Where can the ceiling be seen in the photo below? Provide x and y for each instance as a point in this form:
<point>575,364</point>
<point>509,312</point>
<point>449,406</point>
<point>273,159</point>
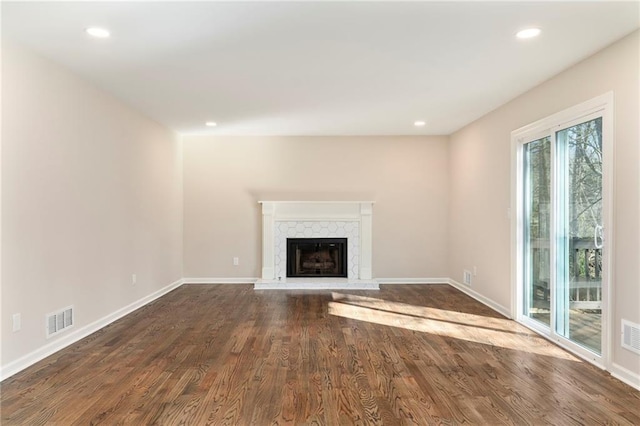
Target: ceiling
<point>317,68</point>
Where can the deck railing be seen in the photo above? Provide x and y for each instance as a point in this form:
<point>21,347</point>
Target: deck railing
<point>585,272</point>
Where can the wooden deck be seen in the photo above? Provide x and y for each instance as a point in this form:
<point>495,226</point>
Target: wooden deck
<point>585,327</point>
<point>216,354</point>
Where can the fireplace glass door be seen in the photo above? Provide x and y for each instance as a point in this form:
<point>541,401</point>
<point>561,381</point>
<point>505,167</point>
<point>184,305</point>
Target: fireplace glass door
<point>316,257</point>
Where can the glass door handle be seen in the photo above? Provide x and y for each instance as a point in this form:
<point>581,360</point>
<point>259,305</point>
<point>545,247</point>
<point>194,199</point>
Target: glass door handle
<point>597,236</point>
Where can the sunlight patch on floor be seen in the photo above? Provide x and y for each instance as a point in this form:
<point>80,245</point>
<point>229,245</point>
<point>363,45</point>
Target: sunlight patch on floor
<point>469,327</point>
<point>429,313</point>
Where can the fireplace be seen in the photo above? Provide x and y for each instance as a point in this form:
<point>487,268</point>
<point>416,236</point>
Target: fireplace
<point>345,222</point>
<point>316,257</point>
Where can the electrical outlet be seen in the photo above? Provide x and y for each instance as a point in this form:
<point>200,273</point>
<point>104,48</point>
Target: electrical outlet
<point>17,322</point>
<point>236,261</point>
<point>134,279</point>
<point>475,271</point>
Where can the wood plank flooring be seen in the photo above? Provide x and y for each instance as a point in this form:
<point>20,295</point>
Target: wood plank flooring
<point>229,355</point>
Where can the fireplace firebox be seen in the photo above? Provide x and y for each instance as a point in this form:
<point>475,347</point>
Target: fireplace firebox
<point>316,257</point>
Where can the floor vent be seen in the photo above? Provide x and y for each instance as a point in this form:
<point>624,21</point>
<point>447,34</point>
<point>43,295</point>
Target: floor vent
<point>466,277</point>
<point>59,321</point>
<point>631,336</point>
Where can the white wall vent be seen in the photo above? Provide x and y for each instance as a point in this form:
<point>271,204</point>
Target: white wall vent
<point>466,277</point>
<point>631,336</point>
<point>59,321</point>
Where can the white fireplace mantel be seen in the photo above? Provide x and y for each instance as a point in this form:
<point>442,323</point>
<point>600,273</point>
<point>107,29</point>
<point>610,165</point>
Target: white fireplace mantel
<point>317,219</point>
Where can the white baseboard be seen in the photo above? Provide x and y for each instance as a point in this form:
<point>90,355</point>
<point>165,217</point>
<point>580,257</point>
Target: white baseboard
<point>413,280</point>
<point>626,376</point>
<point>219,280</point>
<point>480,298</point>
<point>31,358</point>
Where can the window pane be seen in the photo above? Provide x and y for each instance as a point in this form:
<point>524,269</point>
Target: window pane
<point>579,280</point>
<point>537,229</point>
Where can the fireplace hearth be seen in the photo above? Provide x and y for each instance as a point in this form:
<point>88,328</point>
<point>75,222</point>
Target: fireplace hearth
<point>316,257</point>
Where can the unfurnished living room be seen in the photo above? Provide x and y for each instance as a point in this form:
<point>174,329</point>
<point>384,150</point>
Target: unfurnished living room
<point>317,212</point>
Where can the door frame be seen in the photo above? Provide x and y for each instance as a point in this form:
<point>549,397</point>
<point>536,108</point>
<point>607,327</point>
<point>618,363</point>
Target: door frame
<point>600,106</point>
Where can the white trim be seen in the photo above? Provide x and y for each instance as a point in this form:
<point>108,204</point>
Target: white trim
<point>608,193</point>
<point>319,218</point>
<point>68,339</point>
<point>515,216</point>
<point>480,298</point>
<point>316,202</point>
<point>564,117</point>
<point>219,280</point>
<point>624,375</point>
<point>316,284</point>
<point>413,280</point>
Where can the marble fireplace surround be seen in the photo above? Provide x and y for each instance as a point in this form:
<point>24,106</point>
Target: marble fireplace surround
<point>316,219</point>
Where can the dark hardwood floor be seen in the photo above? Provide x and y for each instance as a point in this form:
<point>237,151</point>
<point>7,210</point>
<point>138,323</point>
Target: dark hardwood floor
<point>226,354</point>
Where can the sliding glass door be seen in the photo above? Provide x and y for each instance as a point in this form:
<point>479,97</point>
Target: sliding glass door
<point>561,252</point>
<point>579,230</point>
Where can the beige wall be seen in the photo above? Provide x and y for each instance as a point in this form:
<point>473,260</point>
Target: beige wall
<point>91,193</point>
<point>480,181</point>
<point>224,177</point>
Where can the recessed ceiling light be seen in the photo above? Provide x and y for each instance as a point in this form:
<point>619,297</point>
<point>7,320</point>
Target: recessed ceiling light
<point>528,33</point>
<point>211,124</point>
<point>98,32</point>
<point>419,123</point>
